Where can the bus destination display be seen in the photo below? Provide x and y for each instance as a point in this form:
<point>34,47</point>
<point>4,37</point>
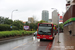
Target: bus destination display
<point>48,25</point>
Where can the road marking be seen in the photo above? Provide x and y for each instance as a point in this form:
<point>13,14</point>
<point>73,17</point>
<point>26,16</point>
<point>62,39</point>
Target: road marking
<point>24,43</point>
<point>16,47</point>
<point>30,41</point>
<point>21,45</point>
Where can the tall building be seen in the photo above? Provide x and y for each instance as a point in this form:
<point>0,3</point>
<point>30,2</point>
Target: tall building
<point>30,20</point>
<point>50,20</point>
<point>45,15</point>
<point>55,17</point>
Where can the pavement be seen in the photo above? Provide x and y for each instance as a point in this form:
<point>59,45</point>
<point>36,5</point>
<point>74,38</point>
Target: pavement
<point>66,42</point>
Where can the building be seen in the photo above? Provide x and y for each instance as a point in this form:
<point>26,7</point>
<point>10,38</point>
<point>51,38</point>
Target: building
<point>50,20</point>
<point>69,19</point>
<point>45,15</point>
<point>69,3</point>
<point>30,20</point>
<point>55,17</point>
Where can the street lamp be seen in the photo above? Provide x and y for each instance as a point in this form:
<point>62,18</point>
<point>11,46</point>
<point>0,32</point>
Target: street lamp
<point>58,25</point>
<point>12,16</point>
<point>12,13</point>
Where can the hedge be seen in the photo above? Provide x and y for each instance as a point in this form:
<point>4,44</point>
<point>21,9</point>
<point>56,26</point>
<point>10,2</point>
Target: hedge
<point>14,33</point>
<point>5,27</point>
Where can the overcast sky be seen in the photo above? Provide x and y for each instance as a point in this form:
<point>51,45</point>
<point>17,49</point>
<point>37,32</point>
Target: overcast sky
<point>29,8</point>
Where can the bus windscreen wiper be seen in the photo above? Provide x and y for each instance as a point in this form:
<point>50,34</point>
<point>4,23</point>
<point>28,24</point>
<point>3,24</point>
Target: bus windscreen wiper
<point>41,31</point>
<point>44,33</point>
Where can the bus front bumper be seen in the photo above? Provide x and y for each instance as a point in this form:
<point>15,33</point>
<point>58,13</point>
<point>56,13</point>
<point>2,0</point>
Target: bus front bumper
<point>50,38</point>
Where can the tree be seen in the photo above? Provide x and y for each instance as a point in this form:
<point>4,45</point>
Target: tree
<point>61,26</point>
<point>42,21</point>
<point>26,23</point>
<point>8,21</point>
<point>33,26</point>
<point>5,21</point>
<point>1,20</point>
<point>18,24</point>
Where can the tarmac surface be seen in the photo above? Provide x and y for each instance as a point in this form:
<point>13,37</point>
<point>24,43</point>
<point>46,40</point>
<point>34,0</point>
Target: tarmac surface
<point>26,43</point>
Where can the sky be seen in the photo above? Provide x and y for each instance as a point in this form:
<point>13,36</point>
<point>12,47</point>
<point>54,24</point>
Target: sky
<point>30,8</point>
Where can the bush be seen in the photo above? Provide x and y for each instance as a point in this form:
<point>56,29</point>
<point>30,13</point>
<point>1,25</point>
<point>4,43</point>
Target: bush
<point>5,27</point>
<point>14,28</point>
<point>14,33</point>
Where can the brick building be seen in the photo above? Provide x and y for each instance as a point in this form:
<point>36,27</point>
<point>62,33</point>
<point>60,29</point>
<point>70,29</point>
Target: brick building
<point>69,20</point>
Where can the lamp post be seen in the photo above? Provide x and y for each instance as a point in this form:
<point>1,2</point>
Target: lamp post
<point>12,13</point>
<point>12,16</point>
<point>58,25</point>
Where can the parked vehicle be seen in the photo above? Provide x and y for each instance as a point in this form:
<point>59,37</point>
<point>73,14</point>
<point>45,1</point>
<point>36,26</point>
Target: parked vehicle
<point>35,34</point>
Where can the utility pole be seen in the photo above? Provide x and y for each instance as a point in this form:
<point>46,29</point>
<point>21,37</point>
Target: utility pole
<point>58,25</point>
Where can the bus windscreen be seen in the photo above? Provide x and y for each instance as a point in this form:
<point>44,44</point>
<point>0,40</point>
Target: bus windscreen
<point>44,29</point>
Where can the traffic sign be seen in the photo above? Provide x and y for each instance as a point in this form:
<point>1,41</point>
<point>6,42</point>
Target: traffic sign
<point>10,26</point>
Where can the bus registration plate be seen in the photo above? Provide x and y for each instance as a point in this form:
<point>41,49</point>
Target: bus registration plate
<point>44,38</point>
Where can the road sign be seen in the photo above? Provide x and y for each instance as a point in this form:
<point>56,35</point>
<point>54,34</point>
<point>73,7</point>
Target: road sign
<point>26,27</point>
<point>10,26</point>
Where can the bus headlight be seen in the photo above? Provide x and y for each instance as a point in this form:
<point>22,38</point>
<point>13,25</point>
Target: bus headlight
<point>50,37</point>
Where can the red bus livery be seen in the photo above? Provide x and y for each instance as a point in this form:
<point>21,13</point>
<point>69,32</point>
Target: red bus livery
<point>45,31</point>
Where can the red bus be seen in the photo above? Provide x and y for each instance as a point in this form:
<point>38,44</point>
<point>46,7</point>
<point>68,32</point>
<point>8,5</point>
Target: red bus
<point>45,31</point>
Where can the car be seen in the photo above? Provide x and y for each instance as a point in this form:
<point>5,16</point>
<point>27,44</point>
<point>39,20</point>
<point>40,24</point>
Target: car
<point>35,34</point>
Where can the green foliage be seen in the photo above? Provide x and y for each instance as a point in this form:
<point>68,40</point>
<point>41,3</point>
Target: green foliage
<point>14,28</point>
<point>5,27</point>
<point>1,20</point>
<point>5,20</point>
<point>14,33</point>
<point>42,21</point>
<point>33,26</point>
<point>5,24</point>
<point>27,23</point>
<point>61,26</point>
<point>18,24</point>
<point>8,21</point>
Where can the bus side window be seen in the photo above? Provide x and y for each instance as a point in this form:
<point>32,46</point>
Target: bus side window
<point>53,30</point>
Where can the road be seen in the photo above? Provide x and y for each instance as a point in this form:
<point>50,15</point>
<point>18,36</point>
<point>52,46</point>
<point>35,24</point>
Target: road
<point>25,43</point>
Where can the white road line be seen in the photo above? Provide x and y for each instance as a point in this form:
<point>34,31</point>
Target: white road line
<point>21,45</point>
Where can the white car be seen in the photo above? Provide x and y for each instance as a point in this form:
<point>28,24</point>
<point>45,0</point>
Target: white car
<point>35,34</point>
